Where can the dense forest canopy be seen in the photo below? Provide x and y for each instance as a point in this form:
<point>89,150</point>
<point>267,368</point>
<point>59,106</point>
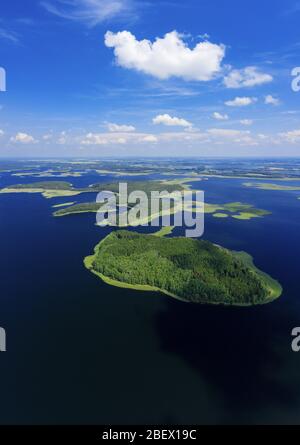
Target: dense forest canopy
<point>194,270</point>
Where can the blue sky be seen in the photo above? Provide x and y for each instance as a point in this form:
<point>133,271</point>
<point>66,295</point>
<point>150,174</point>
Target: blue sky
<point>149,78</point>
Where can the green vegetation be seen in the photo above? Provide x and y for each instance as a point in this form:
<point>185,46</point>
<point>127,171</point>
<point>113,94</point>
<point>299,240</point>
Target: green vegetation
<point>220,215</point>
<point>236,210</point>
<point>249,176</point>
<point>84,207</point>
<point>145,186</point>
<point>49,174</point>
<point>43,185</point>
<point>50,189</point>
<point>268,186</point>
<point>181,182</point>
<point>63,204</point>
<point>164,231</point>
<point>274,287</point>
<point>123,173</point>
<point>245,216</point>
<point>188,269</point>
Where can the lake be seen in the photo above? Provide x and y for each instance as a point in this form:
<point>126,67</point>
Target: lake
<point>80,351</point>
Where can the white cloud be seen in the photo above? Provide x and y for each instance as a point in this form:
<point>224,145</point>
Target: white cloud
<point>291,136</point>
<point>23,138</point>
<point>63,138</point>
<point>246,121</point>
<point>170,121</point>
<point>120,128</point>
<point>262,136</point>
<point>247,77</point>
<point>1,132</point>
<point>47,137</point>
<point>270,100</point>
<point>166,57</point>
<point>212,136</point>
<point>183,136</point>
<point>220,117</point>
<point>117,138</point>
<point>149,138</point>
<point>89,12</point>
<point>225,132</point>
<point>9,35</point>
<point>241,101</point>
<point>121,141</point>
<point>223,136</point>
<point>94,139</point>
<point>246,140</point>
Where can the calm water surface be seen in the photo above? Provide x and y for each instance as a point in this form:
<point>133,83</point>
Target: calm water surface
<point>80,351</point>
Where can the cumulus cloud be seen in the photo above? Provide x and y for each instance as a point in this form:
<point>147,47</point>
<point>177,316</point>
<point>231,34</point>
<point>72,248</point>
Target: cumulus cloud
<point>120,128</point>
<point>170,121</point>
<point>1,132</point>
<point>246,121</point>
<point>270,100</point>
<point>247,77</point>
<point>220,117</point>
<point>241,101</point>
<point>89,12</point>
<point>23,138</point>
<point>166,57</point>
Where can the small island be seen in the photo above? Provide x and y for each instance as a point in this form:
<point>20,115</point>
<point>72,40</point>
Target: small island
<point>268,186</point>
<point>48,189</point>
<point>191,270</point>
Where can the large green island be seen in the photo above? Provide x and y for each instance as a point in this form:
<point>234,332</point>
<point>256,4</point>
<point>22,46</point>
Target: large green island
<point>188,269</point>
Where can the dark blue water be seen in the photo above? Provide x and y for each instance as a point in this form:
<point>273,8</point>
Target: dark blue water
<point>80,351</point>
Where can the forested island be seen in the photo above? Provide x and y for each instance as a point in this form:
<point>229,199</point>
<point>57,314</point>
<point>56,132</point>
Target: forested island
<point>51,189</point>
<point>188,269</point>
